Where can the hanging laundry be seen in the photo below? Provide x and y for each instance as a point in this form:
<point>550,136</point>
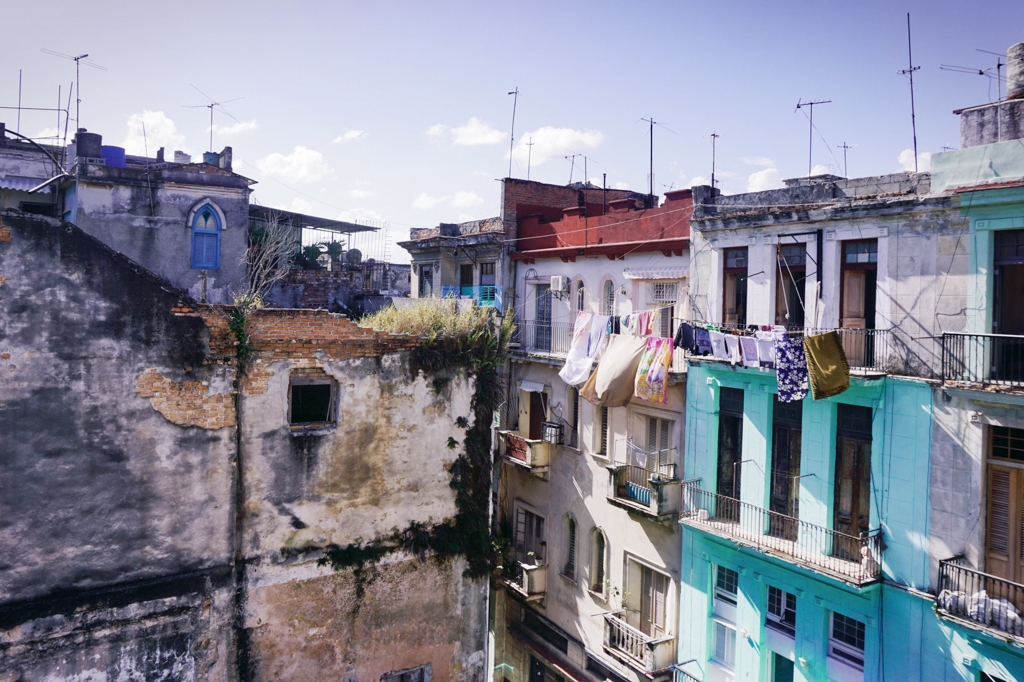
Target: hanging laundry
<point>748,345</point>
<point>702,339</point>
<point>598,331</point>
<point>718,348</point>
<point>652,373</point>
<point>652,322</point>
<point>643,324</point>
<point>792,369</point>
<point>684,337</point>
<point>612,383</point>
<point>765,348</point>
<point>578,361</point>
<point>732,344</point>
<point>827,365</point>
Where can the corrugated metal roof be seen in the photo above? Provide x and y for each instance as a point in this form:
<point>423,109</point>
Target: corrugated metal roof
<point>23,184</point>
<point>655,273</point>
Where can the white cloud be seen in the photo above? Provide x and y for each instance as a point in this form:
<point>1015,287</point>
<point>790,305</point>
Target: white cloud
<point>240,127</point>
<point>483,173</point>
<point>698,180</point>
<point>906,161</point>
<point>437,130</point>
<point>300,205</point>
<point>360,193</point>
<point>621,185</point>
<point>426,201</point>
<point>46,134</point>
<point>349,136</point>
<point>820,170</point>
<point>360,215</point>
<point>757,161</point>
<point>301,165</point>
<point>551,143</point>
<point>466,200</point>
<point>474,132</point>
<point>160,131</point>
<point>769,178</point>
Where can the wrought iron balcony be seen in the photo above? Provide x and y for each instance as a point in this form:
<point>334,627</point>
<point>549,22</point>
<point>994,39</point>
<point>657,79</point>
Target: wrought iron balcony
<point>488,295</point>
<point>646,653</point>
<point>533,455</point>
<point>980,598</point>
<point>855,560</point>
<point>547,338</point>
<point>529,581</point>
<point>680,675</point>
<point>652,489</point>
<point>983,359</point>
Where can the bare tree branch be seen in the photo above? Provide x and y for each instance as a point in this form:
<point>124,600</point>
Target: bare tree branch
<point>267,259</point>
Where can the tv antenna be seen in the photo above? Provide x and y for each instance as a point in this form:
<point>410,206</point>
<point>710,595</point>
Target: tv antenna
<point>909,71</point>
<point>844,147</point>
<point>810,145</point>
<point>529,156</point>
<point>79,60</point>
<point>650,177</point>
<point>999,65</point>
<point>512,142</point>
<point>714,137</point>
<point>211,106</point>
<point>572,166</point>
<point>997,77</point>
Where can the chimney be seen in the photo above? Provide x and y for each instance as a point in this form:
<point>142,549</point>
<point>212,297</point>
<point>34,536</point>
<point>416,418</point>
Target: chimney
<point>225,159</point>
<point>160,155</point>
<point>181,157</point>
<point>1015,71</point>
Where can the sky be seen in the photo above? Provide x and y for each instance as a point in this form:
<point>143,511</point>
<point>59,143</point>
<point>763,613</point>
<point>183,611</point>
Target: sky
<point>399,112</point>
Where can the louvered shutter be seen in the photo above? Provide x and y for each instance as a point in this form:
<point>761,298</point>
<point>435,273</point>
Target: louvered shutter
<point>646,601</point>
<point>598,582</point>
<point>603,445</point>
<point>570,561</point>
<point>652,442</point>
<point>520,534</point>
<point>660,601</point>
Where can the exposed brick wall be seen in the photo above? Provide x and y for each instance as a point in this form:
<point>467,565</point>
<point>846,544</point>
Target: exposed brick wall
<point>186,403</point>
<point>5,233</point>
<point>538,194</point>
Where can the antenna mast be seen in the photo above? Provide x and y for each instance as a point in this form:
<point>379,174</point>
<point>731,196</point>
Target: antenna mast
<point>810,135</point>
<point>650,175</point>
<point>512,142</point>
<point>714,136</point>
<point>79,60</point>
<point>844,147</point>
<point>529,157</point>
<point>910,72</point>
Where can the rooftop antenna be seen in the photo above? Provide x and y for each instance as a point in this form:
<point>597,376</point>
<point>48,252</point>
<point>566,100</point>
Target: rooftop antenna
<point>650,177</point>
<point>512,142</point>
<point>211,106</point>
<point>999,65</point>
<point>910,72</point>
<point>980,72</point>
<point>19,102</point>
<point>810,135</point>
<point>844,147</point>
<point>946,147</point>
<point>572,166</point>
<point>79,60</point>
<point>529,156</point>
<point>714,137</point>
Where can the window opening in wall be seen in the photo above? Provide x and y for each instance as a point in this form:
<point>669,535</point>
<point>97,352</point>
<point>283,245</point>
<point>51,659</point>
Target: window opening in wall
<point>781,613</point>
<point>580,299</point>
<point>853,477</point>
<point>653,600</point>
<point>488,288</point>
<point>466,279</point>
<point>789,294</point>
<point>542,319</point>
<point>38,208</point>
<point>726,584</point>
<point>530,542</point>
<point>659,443</point>
<point>985,677</point>
<point>574,422</point>
<point>311,401</point>
<point>541,673</point>
<point>598,563</point>
<point>730,448</point>
<point>1008,309</point>
<point>423,673</point>
<point>734,287</point>
<point>782,668</point>
<point>608,300</point>
<point>206,239</point>
<point>602,446</point>
<point>426,281</point>
<point>1004,546</point>
<point>785,490</point>
<point>724,644</point>
<point>846,640</point>
<point>538,414</point>
<point>569,570</point>
<point>857,298</point>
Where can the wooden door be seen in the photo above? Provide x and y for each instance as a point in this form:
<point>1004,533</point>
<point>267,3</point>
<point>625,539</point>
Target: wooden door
<point>1005,546</point>
<point>731,315</point>
<point>853,485</point>
<point>538,414</point>
<point>785,487</point>
<point>653,600</point>
<point>854,299</point>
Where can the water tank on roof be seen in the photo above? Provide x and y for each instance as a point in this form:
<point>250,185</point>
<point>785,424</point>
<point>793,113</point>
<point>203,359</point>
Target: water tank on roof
<point>88,144</point>
<point>114,156</point>
<point>354,256</point>
<point>212,158</point>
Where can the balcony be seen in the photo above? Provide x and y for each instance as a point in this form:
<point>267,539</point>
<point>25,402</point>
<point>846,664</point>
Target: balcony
<point>528,581</point>
<point>980,599</point>
<point>645,653</point>
<point>651,490</point>
<point>855,560</point>
<point>680,675</point>
<point>983,360</point>
<point>551,338</point>
<point>488,295</point>
<point>532,455</point>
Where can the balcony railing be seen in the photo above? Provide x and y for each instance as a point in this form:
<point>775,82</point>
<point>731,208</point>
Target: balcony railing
<point>643,491</point>
<point>851,559</point>
<point>527,580</point>
<point>643,652</point>
<point>484,295</point>
<point>525,452</point>
<point>987,359</point>
<point>981,598</point>
<point>680,675</point>
<point>554,338</point>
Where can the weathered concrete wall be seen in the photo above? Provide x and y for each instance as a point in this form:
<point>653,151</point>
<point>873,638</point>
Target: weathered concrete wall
<point>108,478</point>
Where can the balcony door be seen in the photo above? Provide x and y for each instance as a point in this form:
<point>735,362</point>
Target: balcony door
<point>653,599</point>
<point>530,543</point>
<point>734,287</point>
<point>730,449</point>
<point>789,293</point>
<point>466,279</point>
<point>785,472</point>
<point>852,514</point>
<point>542,319</point>
<point>1004,556</point>
<point>488,290</point>
<point>1008,313</point>
<point>659,439</point>
<point>857,299</point>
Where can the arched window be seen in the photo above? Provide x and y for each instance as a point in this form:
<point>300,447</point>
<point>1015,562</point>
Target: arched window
<point>608,299</point>
<point>581,298</point>
<point>569,570</point>
<point>206,239</point>
<point>599,563</point>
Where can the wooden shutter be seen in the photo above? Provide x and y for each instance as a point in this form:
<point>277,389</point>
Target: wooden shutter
<point>1005,544</point>
<point>570,560</point>
<point>603,445</point>
<point>854,299</point>
<point>730,298</point>
<point>520,535</point>
<point>646,601</point>
<point>597,584</point>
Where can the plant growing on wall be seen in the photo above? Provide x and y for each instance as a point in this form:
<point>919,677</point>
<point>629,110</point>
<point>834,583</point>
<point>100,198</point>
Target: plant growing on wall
<point>474,342</point>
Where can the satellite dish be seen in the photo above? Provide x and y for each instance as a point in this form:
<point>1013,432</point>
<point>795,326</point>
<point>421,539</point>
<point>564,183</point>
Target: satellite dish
<point>354,256</point>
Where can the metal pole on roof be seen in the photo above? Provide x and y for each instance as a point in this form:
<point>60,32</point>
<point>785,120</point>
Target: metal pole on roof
<point>512,141</point>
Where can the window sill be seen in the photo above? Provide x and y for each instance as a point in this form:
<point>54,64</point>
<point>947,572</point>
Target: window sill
<point>567,579</point>
<point>312,429</point>
<point>598,596</point>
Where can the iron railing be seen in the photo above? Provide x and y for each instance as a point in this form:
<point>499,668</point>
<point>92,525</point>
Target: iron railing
<point>850,558</point>
<point>680,675</point>
<point>658,463</point>
<point>983,358</point>
<point>544,337</point>
<point>981,598</point>
<point>489,295</point>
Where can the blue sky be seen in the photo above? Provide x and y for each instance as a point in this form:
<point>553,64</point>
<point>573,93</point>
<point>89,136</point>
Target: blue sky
<point>398,111</point>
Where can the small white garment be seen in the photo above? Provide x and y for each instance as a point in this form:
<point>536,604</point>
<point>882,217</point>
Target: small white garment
<point>749,346</point>
<point>732,343</point>
<point>640,458</point>
<point>578,362</point>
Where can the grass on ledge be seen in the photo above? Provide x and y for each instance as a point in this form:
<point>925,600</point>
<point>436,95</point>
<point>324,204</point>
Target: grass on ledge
<point>432,318</point>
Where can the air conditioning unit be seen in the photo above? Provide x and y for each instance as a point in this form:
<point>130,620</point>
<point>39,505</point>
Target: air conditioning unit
<point>559,283</point>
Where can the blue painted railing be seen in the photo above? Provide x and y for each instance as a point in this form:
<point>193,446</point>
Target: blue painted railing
<point>484,295</point>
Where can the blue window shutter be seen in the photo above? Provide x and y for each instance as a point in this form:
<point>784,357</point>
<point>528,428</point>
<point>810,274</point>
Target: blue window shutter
<point>206,241</point>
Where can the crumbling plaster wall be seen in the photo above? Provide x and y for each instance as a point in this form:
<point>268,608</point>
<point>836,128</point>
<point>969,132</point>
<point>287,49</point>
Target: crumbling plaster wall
<point>115,521</point>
